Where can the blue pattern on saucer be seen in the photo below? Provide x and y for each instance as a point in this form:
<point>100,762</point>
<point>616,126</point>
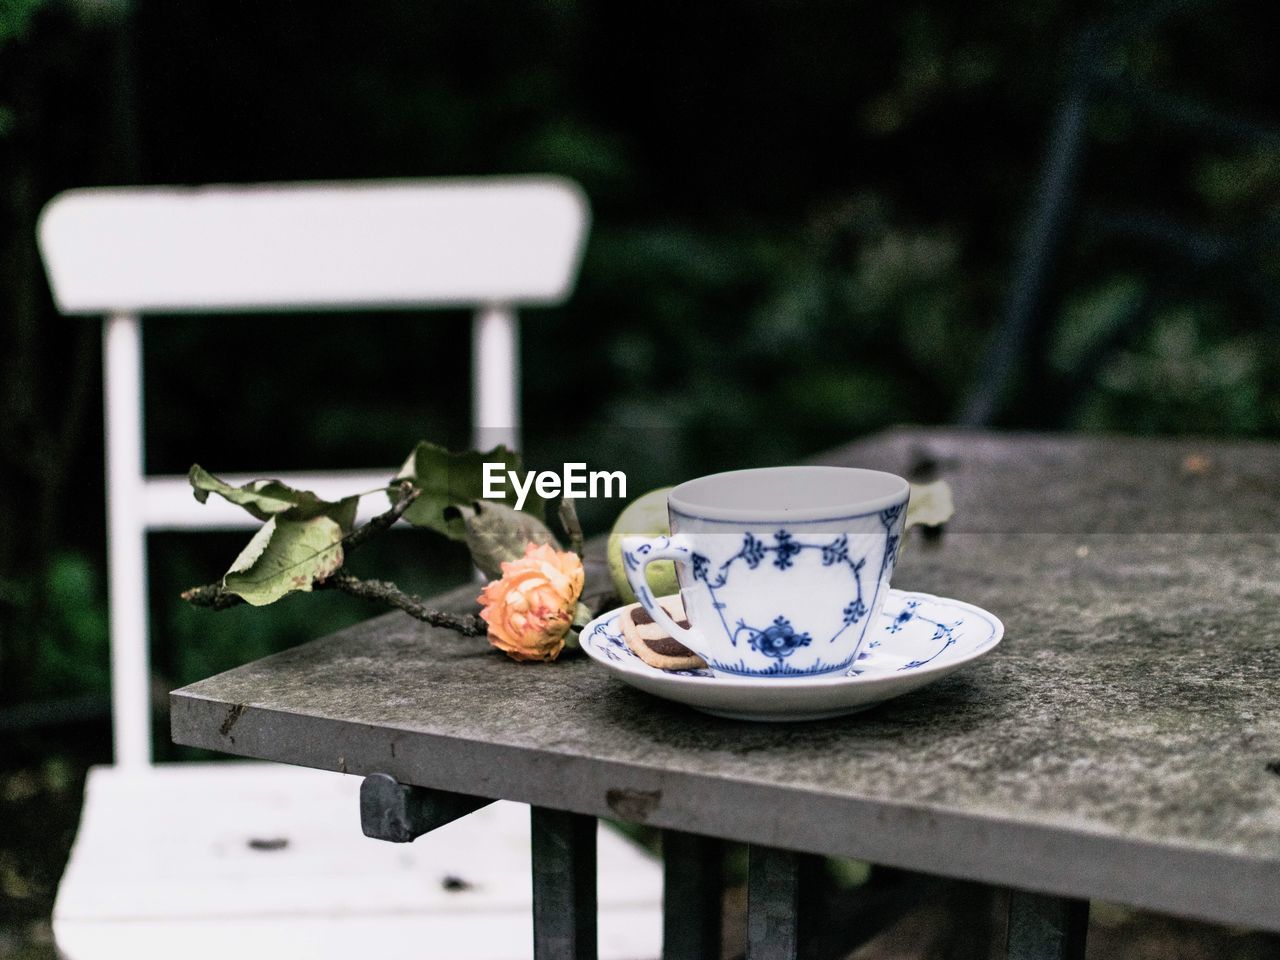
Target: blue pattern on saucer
<point>916,631</point>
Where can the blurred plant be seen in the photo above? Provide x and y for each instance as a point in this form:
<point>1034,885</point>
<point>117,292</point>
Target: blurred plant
<point>15,18</point>
<point>1247,183</point>
<point>47,370</point>
<point>68,643</point>
<point>1177,379</point>
<point>72,654</point>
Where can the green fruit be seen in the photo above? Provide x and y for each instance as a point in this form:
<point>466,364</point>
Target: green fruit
<point>646,516</point>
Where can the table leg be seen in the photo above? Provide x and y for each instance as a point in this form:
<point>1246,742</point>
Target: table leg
<point>564,885</point>
<point>692,896</point>
<point>1042,927</point>
<point>780,901</point>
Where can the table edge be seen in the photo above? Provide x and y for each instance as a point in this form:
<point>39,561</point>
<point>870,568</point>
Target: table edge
<point>1061,859</point>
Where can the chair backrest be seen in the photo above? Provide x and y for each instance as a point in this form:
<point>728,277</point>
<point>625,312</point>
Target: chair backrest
<point>513,241</point>
<point>493,244</point>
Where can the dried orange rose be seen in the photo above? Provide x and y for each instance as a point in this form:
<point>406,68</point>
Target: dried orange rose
<point>529,611</point>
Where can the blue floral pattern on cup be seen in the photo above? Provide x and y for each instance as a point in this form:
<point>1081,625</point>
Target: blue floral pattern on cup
<point>779,640</point>
<point>788,640</point>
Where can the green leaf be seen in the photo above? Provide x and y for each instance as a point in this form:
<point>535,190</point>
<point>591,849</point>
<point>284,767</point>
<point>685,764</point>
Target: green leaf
<point>343,513</point>
<point>285,556</point>
<point>265,499</point>
<point>930,505</point>
<point>582,615</point>
<point>455,480</point>
<point>495,533</point>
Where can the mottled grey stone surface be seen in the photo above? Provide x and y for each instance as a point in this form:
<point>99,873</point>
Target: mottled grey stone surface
<point>1123,742</point>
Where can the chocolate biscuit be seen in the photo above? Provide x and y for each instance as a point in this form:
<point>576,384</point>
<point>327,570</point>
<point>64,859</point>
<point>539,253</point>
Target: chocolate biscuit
<point>652,644</point>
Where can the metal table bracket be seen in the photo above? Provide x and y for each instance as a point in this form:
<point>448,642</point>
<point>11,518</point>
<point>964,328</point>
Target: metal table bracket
<point>390,810</point>
<point>1042,927</point>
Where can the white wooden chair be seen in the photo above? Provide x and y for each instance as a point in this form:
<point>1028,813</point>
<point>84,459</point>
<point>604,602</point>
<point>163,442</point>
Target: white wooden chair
<point>186,859</point>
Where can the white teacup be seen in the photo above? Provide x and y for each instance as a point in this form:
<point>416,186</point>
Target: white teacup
<point>781,569</point>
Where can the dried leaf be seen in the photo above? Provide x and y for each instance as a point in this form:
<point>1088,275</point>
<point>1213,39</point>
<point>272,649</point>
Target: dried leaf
<point>456,480</point>
<point>285,556</point>
<point>265,499</point>
<point>930,505</point>
<point>496,533</point>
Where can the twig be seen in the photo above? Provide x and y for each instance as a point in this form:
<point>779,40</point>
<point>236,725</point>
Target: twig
<point>467,624</point>
<point>211,595</point>
<point>353,540</point>
<point>216,597</point>
<point>572,527</point>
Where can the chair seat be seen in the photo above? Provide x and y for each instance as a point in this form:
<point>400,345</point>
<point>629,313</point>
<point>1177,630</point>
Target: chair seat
<point>247,860</point>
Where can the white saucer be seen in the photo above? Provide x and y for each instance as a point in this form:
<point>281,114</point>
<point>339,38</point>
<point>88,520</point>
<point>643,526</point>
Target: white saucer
<point>920,638</point>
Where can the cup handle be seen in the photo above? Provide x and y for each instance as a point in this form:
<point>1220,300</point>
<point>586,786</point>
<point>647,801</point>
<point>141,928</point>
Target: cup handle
<point>637,554</point>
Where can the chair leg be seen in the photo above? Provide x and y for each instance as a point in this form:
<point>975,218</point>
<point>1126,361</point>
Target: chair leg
<point>495,374</point>
<point>126,540</point>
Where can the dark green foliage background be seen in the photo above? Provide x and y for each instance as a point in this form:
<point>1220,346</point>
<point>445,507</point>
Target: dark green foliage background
<point>805,217</point>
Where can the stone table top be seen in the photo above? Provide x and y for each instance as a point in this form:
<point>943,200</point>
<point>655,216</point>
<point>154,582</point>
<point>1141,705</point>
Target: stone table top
<point>1123,743</point>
